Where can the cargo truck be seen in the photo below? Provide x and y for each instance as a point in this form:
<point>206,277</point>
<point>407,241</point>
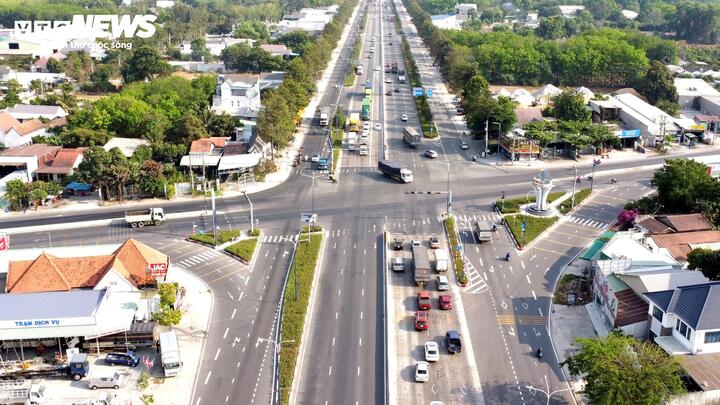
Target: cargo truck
<point>170,353</point>
<point>77,369</point>
<point>140,218</point>
<point>324,117</point>
<point>442,260</point>
<point>483,230</point>
<point>421,265</point>
<point>21,392</point>
<point>352,141</point>
<point>411,137</point>
<point>365,109</point>
<point>395,171</point>
<point>354,122</point>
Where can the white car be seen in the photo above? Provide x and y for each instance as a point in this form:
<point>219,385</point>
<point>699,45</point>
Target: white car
<point>398,264</point>
<point>372,49</point>
<point>377,68</point>
<point>378,127</point>
<point>442,283</point>
<point>415,243</point>
<point>422,371</point>
<point>403,117</point>
<point>432,351</point>
<point>388,80</point>
<point>315,158</point>
<point>366,126</point>
<point>431,154</point>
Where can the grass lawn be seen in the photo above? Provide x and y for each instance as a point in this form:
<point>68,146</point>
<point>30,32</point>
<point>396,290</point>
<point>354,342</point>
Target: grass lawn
<point>243,249</point>
<point>564,208</point>
<point>457,256</point>
<point>222,237</point>
<point>535,226</point>
<point>293,317</point>
<point>512,205</point>
<point>336,156</point>
<point>349,77</point>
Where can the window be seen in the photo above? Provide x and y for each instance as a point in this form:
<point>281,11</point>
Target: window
<point>712,337</point>
<point>658,313</point>
<point>14,45</point>
<point>684,330</point>
<point>677,324</point>
<point>238,92</point>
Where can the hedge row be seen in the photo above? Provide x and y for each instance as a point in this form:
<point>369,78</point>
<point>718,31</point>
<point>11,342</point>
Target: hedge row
<point>222,237</point>
<point>566,205</point>
<point>293,315</point>
<point>457,256</point>
<point>243,249</point>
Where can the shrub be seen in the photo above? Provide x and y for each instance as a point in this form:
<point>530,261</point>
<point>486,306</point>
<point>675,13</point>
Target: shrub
<point>167,316</point>
<point>265,167</point>
<point>243,249</point>
<point>581,195</point>
<point>170,191</point>
<point>222,237</point>
<point>254,232</point>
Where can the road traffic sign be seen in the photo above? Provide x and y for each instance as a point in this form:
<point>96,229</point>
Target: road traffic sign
<point>308,218</point>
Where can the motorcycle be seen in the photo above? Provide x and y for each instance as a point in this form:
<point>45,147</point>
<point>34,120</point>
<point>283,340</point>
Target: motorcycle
<point>613,181</point>
<point>539,352</point>
<point>494,228</point>
<point>577,179</point>
<point>507,257</point>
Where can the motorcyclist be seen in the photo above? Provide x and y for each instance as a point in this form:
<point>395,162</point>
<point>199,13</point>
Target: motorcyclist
<point>539,351</point>
<point>613,181</point>
<point>507,256</point>
<point>494,228</point>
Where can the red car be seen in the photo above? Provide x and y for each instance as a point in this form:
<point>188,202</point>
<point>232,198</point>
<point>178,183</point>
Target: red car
<point>423,300</point>
<point>445,302</point>
<point>421,320</point>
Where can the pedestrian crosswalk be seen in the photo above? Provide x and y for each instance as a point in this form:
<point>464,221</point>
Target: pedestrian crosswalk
<point>587,222</point>
<point>278,238</point>
<point>476,283</point>
<point>468,220</point>
<point>360,169</point>
<point>198,259</point>
<point>509,319</point>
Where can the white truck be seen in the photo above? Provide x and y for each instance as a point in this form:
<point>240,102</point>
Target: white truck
<point>140,218</point>
<point>442,260</point>
<point>21,392</point>
<point>324,117</point>
<point>352,140</point>
<point>363,149</point>
<point>170,353</point>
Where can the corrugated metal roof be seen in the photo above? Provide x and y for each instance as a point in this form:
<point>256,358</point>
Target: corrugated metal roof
<point>49,305</point>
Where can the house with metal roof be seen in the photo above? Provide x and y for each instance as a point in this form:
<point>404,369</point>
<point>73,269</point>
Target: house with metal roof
<point>623,269</point>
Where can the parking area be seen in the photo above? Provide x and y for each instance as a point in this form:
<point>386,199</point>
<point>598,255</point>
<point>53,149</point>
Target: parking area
<point>419,319</point>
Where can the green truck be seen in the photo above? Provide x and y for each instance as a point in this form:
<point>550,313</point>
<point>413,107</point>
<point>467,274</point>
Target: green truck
<point>365,111</point>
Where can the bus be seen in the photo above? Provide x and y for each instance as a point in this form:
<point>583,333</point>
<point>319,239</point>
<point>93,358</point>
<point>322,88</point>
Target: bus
<point>365,111</point>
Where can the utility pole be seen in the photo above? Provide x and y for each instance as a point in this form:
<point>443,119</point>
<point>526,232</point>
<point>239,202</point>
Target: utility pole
<point>485,147</point>
<point>497,157</point>
<point>214,219</point>
<point>252,229</point>
<point>572,198</point>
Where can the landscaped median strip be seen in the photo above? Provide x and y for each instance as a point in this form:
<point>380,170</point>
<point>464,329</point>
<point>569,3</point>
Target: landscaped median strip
<point>534,226</point>
<point>581,195</point>
<point>209,239</point>
<point>244,249</point>
<point>458,263</point>
<point>293,313</point>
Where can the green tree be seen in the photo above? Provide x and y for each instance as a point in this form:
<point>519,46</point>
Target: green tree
<point>72,138</point>
<point>12,93</point>
<point>188,128</point>
<point>145,63</point>
<point>16,192</point>
<point>252,29</point>
<point>244,58</point>
<point>621,370</point>
<point>681,184</point>
<point>275,121</point>
<point>658,84</point>
<point>551,27</point>
<point>295,40</point>
<point>36,86</point>
<point>199,51</point>
<point>697,22</point>
<point>168,292</point>
<point>491,15</point>
<point>570,106</point>
<point>55,66</point>
<point>705,260</point>
<point>167,316</point>
<point>601,9</point>
<point>151,179</point>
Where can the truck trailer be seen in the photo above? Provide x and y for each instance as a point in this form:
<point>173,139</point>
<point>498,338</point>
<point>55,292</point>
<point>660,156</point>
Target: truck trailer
<point>395,171</point>
<point>140,218</point>
<point>170,353</point>
<point>411,137</point>
<point>77,368</point>
<point>421,265</point>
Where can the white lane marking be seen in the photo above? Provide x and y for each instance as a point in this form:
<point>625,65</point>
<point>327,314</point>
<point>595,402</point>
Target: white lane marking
<point>217,353</point>
<point>540,310</point>
<point>330,371</point>
<point>522,264</point>
<point>233,314</point>
<point>208,377</point>
<point>226,332</point>
<point>527,276</point>
<point>534,296</point>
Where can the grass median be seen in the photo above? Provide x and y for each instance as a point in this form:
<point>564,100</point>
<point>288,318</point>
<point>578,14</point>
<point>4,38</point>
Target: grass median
<point>294,313</point>
<point>458,263</point>
<point>512,205</point>
<point>222,237</point>
<point>243,249</point>
<point>534,227</point>
<point>567,206</point>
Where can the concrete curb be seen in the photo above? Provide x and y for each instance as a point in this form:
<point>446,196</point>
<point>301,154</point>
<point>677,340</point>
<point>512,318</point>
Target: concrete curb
<point>390,367</point>
<point>308,318</point>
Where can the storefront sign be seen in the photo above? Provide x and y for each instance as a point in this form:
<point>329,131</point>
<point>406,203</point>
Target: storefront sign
<point>630,133</point>
<point>37,322</point>
<point>698,127</point>
<point>157,269</point>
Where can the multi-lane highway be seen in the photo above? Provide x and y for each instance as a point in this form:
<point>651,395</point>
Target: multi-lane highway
<point>343,359</point>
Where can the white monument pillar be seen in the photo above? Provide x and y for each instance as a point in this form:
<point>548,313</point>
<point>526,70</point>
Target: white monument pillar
<point>542,185</point>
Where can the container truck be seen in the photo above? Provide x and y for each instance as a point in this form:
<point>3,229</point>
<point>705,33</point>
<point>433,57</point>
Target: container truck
<point>442,260</point>
<point>354,122</point>
<point>421,265</point>
<point>395,171</point>
<point>324,117</point>
<point>170,353</point>
<point>411,137</point>
<point>140,218</point>
<point>365,110</point>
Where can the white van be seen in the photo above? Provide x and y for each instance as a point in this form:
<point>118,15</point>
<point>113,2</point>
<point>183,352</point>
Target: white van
<point>114,380</point>
<point>398,264</point>
<point>442,283</point>
<point>442,260</point>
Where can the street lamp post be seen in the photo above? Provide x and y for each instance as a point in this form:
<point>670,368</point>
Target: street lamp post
<point>276,378</point>
<point>252,229</point>
<point>292,259</point>
<point>449,193</point>
<point>313,189</point>
<point>592,176</point>
<point>497,157</point>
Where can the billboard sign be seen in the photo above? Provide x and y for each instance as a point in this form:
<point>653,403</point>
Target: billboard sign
<point>157,269</point>
<point>417,91</point>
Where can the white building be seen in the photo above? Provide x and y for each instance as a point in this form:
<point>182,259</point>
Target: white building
<point>697,94</point>
<point>307,19</point>
<point>652,122</point>
<point>13,133</point>
<point>126,145</point>
<point>24,78</point>
<point>237,95</point>
<point>448,21</point>
<point>164,3</point>
<point>570,11</point>
<point>215,44</point>
<point>466,8</point>
<point>24,112</point>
